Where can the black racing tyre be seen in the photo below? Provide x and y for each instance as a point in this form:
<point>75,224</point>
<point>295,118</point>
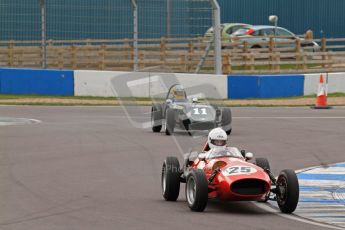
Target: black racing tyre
<point>214,106</point>
<point>156,117</point>
<point>262,163</point>
<point>169,121</point>
<point>226,120</point>
<point>197,190</point>
<point>287,191</point>
<point>218,112</point>
<point>170,180</point>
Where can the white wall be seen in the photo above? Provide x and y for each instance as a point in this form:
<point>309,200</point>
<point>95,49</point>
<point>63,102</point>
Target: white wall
<point>140,84</point>
<point>100,83</point>
<point>94,83</point>
<point>336,83</point>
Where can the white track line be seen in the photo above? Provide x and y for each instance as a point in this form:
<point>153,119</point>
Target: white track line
<point>289,117</point>
<point>123,116</point>
<point>268,208</point>
<point>34,120</point>
<point>309,217</point>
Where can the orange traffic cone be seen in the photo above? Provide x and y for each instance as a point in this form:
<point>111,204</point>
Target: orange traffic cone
<point>321,98</point>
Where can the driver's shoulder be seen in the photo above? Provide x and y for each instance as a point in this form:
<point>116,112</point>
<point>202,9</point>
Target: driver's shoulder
<point>232,149</point>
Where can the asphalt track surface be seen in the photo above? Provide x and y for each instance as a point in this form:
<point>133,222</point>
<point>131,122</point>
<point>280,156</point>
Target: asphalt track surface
<point>89,168</point>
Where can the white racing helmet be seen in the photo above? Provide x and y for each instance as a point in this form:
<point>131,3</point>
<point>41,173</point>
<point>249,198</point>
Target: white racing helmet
<point>217,138</point>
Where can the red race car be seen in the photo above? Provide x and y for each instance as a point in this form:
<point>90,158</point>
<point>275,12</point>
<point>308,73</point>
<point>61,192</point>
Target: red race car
<point>225,174</point>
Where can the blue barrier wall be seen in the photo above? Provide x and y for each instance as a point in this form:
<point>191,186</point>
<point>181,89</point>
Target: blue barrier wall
<point>61,82</point>
<point>240,87</point>
<point>40,82</point>
<point>243,87</point>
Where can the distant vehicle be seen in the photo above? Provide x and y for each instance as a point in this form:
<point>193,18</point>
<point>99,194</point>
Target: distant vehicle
<point>258,37</point>
<point>178,112</point>
<point>227,29</point>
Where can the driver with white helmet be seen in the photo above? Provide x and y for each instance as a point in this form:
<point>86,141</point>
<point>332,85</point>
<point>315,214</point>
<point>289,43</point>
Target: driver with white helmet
<point>216,146</point>
<point>217,138</point>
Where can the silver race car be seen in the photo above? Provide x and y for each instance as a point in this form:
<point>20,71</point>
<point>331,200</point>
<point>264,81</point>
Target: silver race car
<point>178,112</point>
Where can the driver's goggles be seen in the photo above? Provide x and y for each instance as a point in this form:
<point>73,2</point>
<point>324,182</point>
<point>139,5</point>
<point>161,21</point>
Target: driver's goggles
<point>218,142</point>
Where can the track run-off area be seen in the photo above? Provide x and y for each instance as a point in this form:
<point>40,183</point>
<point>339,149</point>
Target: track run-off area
<point>94,168</point>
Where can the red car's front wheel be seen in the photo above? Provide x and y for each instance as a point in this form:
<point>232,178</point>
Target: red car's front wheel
<point>287,191</point>
<point>197,190</point>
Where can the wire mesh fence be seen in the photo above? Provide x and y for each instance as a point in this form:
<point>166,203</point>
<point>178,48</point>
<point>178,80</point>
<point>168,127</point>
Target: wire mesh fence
<point>174,18</point>
<point>20,20</point>
<point>103,19</point>
<point>62,32</point>
<point>66,19</point>
<point>85,19</point>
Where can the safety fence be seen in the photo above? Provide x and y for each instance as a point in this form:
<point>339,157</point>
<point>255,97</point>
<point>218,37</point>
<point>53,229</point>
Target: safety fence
<point>37,22</point>
<point>189,55</point>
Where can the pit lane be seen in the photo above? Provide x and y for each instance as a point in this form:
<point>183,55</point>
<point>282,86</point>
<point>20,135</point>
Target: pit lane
<point>89,168</point>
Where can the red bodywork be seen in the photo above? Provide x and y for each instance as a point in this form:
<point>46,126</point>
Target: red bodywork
<point>237,180</point>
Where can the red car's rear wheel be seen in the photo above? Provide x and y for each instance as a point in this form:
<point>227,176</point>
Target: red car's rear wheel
<point>263,163</point>
<point>171,179</point>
